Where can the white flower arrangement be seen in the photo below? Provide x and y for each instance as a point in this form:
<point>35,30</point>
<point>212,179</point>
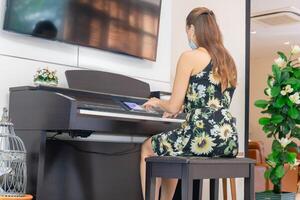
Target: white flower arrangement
<point>295,98</point>
<point>295,49</point>
<point>45,77</point>
<point>287,89</point>
<point>280,62</point>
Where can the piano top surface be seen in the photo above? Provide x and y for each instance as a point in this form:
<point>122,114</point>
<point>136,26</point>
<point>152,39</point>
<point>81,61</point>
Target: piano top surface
<point>70,91</point>
<point>92,100</point>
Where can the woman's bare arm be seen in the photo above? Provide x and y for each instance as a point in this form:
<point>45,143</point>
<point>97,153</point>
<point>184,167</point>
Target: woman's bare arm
<point>188,62</point>
<point>182,77</point>
<point>183,73</point>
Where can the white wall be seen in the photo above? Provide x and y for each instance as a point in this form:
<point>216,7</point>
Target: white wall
<point>20,55</point>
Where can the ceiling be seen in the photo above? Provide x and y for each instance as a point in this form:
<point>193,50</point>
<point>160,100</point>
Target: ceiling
<point>269,39</point>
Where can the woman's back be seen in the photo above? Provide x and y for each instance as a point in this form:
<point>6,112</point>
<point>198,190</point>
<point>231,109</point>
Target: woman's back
<point>204,90</point>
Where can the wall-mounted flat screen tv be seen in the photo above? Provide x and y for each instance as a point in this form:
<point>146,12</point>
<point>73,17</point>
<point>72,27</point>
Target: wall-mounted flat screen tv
<point>124,26</point>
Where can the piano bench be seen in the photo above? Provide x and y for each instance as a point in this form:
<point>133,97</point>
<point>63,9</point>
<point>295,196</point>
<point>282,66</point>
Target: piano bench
<point>198,168</point>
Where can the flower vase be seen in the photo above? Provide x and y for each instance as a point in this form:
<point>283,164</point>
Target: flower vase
<point>45,83</point>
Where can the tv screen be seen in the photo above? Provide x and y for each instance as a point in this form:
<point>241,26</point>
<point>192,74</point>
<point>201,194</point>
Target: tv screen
<point>123,26</point>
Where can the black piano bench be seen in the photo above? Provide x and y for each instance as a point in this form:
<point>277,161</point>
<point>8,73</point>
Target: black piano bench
<point>197,168</point>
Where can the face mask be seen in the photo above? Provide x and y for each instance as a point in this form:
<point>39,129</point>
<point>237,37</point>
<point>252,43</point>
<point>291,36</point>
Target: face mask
<point>193,45</point>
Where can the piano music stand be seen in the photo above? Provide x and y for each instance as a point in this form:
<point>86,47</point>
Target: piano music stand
<point>104,82</point>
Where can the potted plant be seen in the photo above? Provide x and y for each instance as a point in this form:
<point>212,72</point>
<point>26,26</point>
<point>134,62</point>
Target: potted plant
<point>281,122</point>
<point>46,77</point>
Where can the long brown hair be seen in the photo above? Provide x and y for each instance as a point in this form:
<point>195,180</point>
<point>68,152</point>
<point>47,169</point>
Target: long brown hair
<point>208,36</point>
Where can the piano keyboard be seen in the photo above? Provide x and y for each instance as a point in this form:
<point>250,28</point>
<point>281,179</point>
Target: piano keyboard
<point>128,116</point>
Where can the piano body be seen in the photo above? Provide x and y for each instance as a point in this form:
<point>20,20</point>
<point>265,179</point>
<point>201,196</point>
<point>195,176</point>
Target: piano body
<point>84,140</point>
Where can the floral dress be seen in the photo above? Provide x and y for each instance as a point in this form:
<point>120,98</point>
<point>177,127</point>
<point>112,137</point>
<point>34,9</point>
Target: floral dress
<point>209,129</point>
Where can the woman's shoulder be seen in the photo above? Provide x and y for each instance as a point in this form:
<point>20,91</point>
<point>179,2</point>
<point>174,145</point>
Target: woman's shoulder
<point>192,53</point>
<point>197,55</point>
<point>196,59</point>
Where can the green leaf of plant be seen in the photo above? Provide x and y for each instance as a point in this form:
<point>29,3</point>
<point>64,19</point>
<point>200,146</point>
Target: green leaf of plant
<point>268,128</point>
<point>291,81</point>
<point>291,156</point>
<point>282,55</point>
<point>289,103</point>
<point>270,78</point>
<point>285,130</point>
<point>267,173</point>
<point>285,76</point>
<point>275,91</point>
<point>275,180</point>
<point>292,145</point>
<point>276,147</point>
<point>291,123</point>
<point>270,135</point>
<point>276,119</point>
<point>265,91</point>
<point>279,171</point>
<point>293,113</point>
<point>276,71</point>
<point>261,103</point>
<point>297,73</point>
<point>266,111</point>
<point>279,103</point>
<point>264,121</point>
<point>270,109</point>
<point>296,133</point>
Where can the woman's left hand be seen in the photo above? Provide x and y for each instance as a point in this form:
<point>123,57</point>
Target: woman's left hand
<point>151,103</point>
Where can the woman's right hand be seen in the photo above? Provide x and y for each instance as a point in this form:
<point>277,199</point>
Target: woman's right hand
<point>167,115</point>
<point>170,115</point>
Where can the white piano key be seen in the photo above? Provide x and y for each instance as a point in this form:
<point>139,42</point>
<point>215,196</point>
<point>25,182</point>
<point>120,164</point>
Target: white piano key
<point>128,116</point>
<point>137,139</point>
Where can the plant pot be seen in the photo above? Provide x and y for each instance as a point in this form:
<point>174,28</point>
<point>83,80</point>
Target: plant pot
<point>26,197</point>
<point>45,83</point>
<point>269,195</point>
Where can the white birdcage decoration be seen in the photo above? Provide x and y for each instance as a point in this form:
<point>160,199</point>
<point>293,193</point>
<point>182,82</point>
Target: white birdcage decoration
<point>13,171</point>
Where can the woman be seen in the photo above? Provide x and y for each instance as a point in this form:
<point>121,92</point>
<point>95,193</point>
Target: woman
<point>205,81</point>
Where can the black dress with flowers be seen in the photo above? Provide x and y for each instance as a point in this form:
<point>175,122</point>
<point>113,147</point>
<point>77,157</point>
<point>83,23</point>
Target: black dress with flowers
<point>209,129</point>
